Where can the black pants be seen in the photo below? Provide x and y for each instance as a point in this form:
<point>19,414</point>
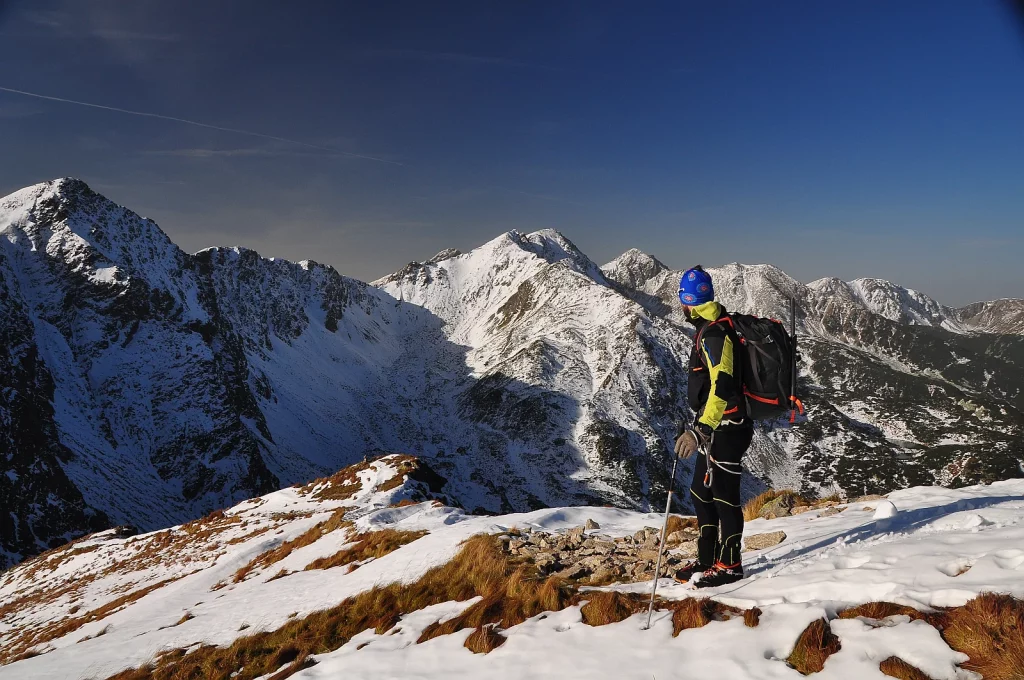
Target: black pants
<point>716,497</point>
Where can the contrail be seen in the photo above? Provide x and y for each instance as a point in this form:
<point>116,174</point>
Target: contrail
<point>146,114</point>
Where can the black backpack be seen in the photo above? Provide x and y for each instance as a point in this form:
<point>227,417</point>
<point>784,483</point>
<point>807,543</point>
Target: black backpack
<point>769,358</point>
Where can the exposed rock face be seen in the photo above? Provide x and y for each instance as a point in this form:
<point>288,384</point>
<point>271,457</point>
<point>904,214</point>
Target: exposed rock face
<point>1003,317</point>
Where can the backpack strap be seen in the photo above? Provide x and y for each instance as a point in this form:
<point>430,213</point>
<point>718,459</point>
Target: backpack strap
<point>700,334</point>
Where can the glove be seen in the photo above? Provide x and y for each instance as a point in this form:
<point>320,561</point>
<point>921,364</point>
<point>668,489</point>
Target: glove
<point>693,439</point>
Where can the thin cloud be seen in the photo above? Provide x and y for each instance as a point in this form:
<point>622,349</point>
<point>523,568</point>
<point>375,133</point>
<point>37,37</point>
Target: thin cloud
<point>48,19</point>
<point>146,114</point>
<point>224,153</point>
<point>133,36</point>
<point>458,57</point>
<point>65,24</point>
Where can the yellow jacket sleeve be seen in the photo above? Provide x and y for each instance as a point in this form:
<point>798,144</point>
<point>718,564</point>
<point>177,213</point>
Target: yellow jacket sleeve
<point>717,351</point>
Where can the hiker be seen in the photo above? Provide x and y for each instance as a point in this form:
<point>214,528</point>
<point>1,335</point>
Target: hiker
<point>720,434</point>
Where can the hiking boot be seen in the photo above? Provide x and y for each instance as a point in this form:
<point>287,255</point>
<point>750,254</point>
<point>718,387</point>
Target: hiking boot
<point>685,573</point>
<point>720,575</point>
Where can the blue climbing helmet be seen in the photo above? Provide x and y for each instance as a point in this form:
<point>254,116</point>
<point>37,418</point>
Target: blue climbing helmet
<point>695,287</point>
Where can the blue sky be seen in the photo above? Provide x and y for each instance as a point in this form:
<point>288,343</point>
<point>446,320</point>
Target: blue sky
<point>846,138</point>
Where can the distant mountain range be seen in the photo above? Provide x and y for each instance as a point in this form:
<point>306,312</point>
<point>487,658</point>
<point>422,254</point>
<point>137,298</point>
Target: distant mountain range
<point>144,385</point>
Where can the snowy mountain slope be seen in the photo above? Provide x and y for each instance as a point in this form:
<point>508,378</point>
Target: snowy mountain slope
<point>572,378</point>
<point>902,305</point>
<point>149,386</point>
<point>183,383</point>
<point>998,316</point>
<point>896,398</point>
<point>105,604</point>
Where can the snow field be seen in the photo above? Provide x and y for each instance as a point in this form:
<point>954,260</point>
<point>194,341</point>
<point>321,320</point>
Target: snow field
<point>939,548</point>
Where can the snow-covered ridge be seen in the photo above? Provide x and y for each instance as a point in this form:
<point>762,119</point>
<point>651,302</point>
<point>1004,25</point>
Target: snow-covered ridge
<point>175,589</point>
<point>151,386</point>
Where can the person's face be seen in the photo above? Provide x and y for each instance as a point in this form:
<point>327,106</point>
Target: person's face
<point>686,310</point>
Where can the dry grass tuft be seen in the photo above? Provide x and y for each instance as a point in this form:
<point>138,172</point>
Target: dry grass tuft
<point>677,523</point>
<point>990,630</point>
<point>752,509</point>
<point>880,610</point>
<point>484,639</point>
<point>374,544</point>
<point>698,612</point>
<point>187,617</point>
<point>606,606</point>
<point>334,522</point>
<point>481,568</point>
<point>406,465</point>
<point>813,648</point>
<point>507,602</point>
<point>340,486</point>
<point>752,617</point>
<point>508,587</point>
<point>896,667</point>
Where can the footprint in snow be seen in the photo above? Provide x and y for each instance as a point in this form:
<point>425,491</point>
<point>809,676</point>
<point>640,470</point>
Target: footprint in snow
<point>1009,559</point>
<point>851,561</point>
<point>956,567</point>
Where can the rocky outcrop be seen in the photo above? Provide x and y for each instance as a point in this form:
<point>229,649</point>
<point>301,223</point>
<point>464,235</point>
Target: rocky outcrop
<point>591,558</point>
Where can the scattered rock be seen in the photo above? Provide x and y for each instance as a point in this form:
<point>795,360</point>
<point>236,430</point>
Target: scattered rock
<point>573,571</point>
<point>779,507</point>
<point>869,497</point>
<point>686,550</point>
<point>829,511</point>
<point>800,509</point>
<point>762,541</point>
<point>597,559</point>
<point>591,524</point>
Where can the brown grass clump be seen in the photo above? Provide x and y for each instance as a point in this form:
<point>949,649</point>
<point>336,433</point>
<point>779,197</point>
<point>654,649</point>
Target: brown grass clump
<point>507,602</point>
<point>607,606</point>
<point>813,648</point>
<point>896,667</point>
<point>509,593</point>
<point>481,568</point>
<point>340,486</point>
<point>345,483</point>
<point>375,544</point>
<point>752,617</point>
<point>698,612</point>
<point>677,523</point>
<point>752,509</point>
<point>484,639</point>
<point>881,610</point>
<point>187,617</point>
<point>332,523</point>
<point>407,466</point>
<point>990,630</point>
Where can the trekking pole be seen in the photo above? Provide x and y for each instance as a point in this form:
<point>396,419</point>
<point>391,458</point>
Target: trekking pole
<point>661,544</point>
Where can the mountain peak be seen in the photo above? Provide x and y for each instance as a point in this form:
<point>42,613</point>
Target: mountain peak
<point>634,268</point>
